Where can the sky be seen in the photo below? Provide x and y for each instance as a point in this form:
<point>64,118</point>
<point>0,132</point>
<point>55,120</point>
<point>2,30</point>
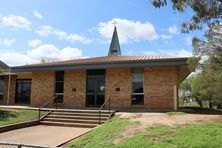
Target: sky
<point>57,30</point>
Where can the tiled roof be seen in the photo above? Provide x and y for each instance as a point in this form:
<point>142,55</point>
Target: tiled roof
<point>105,59</point>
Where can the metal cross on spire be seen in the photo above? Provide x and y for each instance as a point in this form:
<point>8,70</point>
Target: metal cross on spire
<point>114,23</point>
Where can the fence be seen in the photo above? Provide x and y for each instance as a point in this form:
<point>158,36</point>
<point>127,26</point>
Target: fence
<point>18,145</point>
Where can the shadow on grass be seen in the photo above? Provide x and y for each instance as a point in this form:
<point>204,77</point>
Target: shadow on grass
<point>6,114</point>
<point>199,110</point>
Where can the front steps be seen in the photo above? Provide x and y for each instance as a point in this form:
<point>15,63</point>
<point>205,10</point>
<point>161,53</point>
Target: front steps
<point>76,118</point>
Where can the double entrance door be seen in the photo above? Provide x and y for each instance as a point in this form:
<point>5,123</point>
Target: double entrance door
<point>95,94</point>
<point>23,91</point>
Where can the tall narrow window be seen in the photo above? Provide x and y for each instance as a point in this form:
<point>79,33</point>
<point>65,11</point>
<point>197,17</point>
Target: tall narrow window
<point>1,88</point>
<point>59,86</point>
<point>137,87</point>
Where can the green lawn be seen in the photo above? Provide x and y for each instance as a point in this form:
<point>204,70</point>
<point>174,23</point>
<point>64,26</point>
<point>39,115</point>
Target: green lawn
<point>175,113</point>
<point>158,136</point>
<point>10,116</point>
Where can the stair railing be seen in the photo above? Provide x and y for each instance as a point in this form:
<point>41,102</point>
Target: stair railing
<point>46,103</point>
<point>100,109</point>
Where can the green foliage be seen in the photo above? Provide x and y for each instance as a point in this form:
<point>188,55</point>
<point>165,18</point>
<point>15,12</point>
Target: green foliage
<point>205,11</point>
<point>11,116</point>
<point>210,51</point>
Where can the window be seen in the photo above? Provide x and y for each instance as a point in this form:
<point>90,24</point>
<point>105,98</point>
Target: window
<point>114,51</point>
<point>137,97</point>
<point>59,85</point>
<point>1,88</point>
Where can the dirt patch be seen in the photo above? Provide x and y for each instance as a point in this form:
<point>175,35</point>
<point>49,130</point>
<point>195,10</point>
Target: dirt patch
<point>128,132</point>
<point>148,118</point>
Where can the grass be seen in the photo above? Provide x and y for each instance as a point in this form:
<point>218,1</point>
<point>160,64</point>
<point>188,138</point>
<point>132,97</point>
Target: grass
<point>11,116</point>
<point>158,136</point>
<point>175,113</point>
<point>103,136</point>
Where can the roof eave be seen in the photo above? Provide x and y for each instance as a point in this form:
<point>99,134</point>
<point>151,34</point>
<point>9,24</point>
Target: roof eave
<point>102,65</point>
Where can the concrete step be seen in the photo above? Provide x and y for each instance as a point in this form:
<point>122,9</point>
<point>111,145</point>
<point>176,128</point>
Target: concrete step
<point>74,120</point>
<point>76,117</point>
<point>82,111</point>
<point>83,125</point>
<point>79,114</point>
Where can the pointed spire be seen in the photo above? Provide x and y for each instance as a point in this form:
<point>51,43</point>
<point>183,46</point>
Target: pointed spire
<point>114,48</point>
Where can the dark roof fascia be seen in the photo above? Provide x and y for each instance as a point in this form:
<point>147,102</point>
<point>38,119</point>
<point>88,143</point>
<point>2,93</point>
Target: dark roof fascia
<point>101,65</point>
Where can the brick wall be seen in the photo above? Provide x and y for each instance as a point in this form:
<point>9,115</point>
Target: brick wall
<point>75,88</point>
<point>43,85</point>
<point>119,78</point>
<point>12,89</point>
<point>158,83</point>
<point>158,87</point>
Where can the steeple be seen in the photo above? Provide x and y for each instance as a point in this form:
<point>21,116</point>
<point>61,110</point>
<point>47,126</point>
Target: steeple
<point>114,48</point>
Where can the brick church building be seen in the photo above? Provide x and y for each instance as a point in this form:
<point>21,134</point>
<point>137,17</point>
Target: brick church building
<point>131,82</point>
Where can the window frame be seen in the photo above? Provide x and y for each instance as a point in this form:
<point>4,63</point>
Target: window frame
<point>59,81</point>
<point>2,93</point>
<point>137,94</point>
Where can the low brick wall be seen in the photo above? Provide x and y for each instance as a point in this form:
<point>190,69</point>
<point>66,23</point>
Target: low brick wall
<point>18,125</point>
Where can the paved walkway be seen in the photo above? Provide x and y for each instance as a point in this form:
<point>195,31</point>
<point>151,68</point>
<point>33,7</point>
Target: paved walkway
<point>51,136</point>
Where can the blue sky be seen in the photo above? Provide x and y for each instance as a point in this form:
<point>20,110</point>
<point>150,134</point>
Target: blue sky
<point>69,29</point>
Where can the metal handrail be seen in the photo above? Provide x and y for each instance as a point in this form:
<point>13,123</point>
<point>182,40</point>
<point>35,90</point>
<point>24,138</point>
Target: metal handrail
<point>102,108</point>
<point>19,145</point>
<point>46,103</point>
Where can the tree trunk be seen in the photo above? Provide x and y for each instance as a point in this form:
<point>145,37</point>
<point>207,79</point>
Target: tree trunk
<point>210,104</point>
<point>199,102</point>
<point>219,106</point>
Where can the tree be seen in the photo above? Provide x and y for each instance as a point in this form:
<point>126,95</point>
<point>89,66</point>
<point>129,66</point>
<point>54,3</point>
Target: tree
<point>205,11</point>
<point>210,52</point>
<point>207,58</point>
<point>185,91</point>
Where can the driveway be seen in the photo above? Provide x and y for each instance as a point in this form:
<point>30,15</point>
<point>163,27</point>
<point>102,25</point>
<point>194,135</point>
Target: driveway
<point>42,135</point>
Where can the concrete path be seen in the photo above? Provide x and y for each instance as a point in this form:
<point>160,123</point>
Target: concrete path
<point>43,135</point>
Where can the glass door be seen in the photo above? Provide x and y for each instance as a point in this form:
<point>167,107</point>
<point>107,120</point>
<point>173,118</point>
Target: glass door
<point>23,91</point>
<point>95,94</point>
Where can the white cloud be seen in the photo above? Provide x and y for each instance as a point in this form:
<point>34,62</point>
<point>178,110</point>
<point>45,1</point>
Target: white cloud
<point>46,31</point>
<point>7,42</point>
<point>34,43</point>
<point>173,29</point>
<point>46,51</point>
<point>166,37</point>
<point>14,58</point>
<point>37,14</point>
<point>188,40</point>
<point>16,22</point>
<point>177,53</point>
<point>52,53</point>
<point>128,30</point>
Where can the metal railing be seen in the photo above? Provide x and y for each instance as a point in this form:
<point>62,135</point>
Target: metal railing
<point>46,103</point>
<point>108,99</point>
<point>18,145</point>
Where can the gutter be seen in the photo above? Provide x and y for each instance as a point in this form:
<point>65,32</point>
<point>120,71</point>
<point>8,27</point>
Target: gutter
<point>102,65</point>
